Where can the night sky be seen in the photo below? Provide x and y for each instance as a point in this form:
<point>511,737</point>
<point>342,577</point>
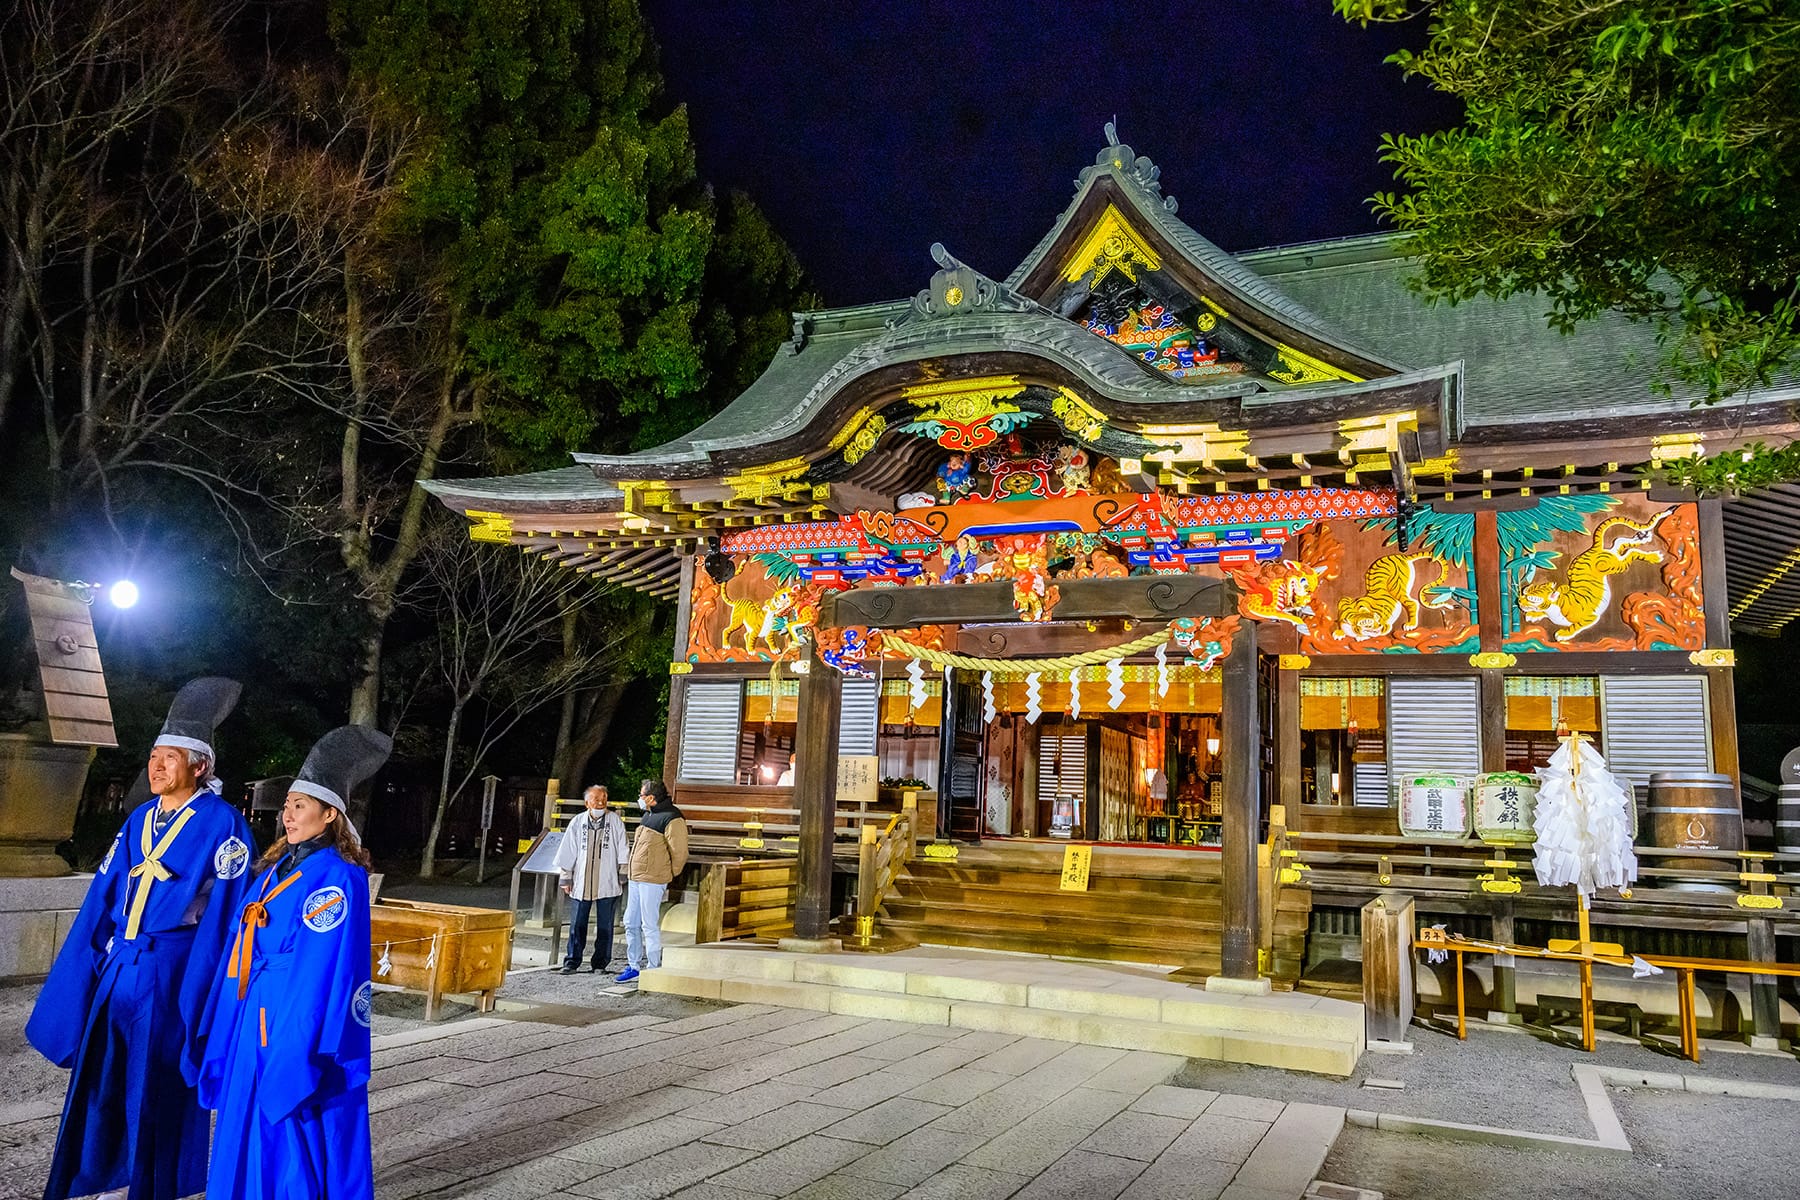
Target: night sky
<point>869,131</point>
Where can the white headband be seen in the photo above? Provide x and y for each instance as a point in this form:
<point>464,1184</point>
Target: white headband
<point>186,743</point>
<point>319,791</point>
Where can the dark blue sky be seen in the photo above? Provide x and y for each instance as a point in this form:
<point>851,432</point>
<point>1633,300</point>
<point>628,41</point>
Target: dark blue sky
<point>868,131</point>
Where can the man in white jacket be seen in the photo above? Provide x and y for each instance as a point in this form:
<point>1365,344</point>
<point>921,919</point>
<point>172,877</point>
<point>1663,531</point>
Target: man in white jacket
<point>591,860</point>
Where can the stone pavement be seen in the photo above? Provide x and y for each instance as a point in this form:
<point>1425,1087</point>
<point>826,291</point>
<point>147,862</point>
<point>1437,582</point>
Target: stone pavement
<point>572,1094</point>
<point>750,1102</point>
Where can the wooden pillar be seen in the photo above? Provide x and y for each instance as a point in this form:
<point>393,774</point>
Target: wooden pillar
<point>1493,720</point>
<point>1506,990</point>
<point>1242,805</point>
<point>1721,695</point>
<point>1765,998</point>
<point>1288,746</point>
<point>815,792</point>
<point>679,680</point>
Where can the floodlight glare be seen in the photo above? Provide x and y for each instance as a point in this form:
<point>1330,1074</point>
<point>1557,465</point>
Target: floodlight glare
<point>123,594</point>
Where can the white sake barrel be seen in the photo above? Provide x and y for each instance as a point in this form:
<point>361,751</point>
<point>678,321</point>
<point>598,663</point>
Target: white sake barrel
<point>1434,806</point>
<point>1505,802</point>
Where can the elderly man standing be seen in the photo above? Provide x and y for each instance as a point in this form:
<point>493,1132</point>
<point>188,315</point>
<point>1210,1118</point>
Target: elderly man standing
<point>658,854</point>
<point>591,861</point>
<point>123,1004</point>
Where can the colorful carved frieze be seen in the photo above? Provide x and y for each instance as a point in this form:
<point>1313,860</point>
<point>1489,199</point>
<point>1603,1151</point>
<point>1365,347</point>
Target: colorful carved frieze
<point>1601,573</point>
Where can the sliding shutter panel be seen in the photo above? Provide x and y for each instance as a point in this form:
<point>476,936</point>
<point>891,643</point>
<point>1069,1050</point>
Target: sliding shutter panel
<point>709,732</point>
<point>1654,723</point>
<point>1434,728</point>
<point>856,717</point>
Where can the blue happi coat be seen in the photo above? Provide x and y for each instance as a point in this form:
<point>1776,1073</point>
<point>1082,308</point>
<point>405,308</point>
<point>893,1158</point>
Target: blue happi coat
<point>287,1041</point>
<point>123,1003</point>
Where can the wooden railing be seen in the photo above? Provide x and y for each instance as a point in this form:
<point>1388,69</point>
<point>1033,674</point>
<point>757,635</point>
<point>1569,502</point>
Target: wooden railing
<point>1278,867</point>
<point>746,898</point>
<point>881,856</point>
<point>724,815</point>
<point>1469,866</point>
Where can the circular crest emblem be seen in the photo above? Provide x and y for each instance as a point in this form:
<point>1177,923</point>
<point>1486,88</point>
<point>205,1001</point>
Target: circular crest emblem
<point>230,859</point>
<point>363,1003</point>
<point>325,909</point>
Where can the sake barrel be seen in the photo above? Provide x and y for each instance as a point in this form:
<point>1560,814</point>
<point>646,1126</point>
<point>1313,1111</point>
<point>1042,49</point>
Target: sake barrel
<point>1434,806</point>
<point>1694,810</point>
<point>1505,802</point>
<point>1787,819</point>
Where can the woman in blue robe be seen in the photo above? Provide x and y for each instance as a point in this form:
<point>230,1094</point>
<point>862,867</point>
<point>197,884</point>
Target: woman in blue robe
<point>123,1003</point>
<point>287,1028</point>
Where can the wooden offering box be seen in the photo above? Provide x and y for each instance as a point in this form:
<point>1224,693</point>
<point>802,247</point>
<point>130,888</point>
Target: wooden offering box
<point>474,949</point>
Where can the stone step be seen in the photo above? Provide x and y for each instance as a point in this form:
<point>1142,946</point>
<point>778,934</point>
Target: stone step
<point>1206,1027</point>
<point>1069,1001</point>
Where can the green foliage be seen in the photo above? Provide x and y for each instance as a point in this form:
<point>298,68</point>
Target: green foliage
<point>573,236</point>
<point>1627,155</point>
<point>1450,536</point>
<point>1522,530</point>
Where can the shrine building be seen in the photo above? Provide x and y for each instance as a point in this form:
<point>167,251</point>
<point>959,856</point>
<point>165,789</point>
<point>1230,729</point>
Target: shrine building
<point>1152,548</point>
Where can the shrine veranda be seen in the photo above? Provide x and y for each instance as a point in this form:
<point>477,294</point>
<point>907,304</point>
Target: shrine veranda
<point>1144,539</point>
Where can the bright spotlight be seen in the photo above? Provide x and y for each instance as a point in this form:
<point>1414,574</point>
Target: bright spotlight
<point>123,594</point>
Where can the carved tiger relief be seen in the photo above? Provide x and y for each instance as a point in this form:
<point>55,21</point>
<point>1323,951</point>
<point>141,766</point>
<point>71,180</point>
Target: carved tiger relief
<point>1390,599</point>
<point>1582,598</point>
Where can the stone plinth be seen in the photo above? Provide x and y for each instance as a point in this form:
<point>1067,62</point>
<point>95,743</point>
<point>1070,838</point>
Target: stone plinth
<point>35,915</point>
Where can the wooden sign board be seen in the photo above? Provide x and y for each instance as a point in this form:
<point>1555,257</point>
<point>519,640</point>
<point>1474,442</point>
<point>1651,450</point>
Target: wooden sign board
<point>62,629</point>
<point>857,778</point>
<point>1077,860</point>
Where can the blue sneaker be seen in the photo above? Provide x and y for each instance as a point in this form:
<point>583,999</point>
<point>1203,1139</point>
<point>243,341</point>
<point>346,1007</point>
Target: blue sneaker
<point>627,975</point>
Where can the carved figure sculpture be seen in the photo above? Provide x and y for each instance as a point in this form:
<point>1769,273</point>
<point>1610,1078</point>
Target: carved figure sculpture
<point>1282,590</point>
<point>752,615</point>
<point>1389,598</point>
<point>1582,598</point>
<point>787,613</point>
<point>1027,560</point>
<point>1073,468</point>
<point>1201,651</point>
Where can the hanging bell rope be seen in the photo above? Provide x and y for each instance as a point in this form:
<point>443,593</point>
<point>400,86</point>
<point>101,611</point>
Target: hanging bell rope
<point>1025,666</point>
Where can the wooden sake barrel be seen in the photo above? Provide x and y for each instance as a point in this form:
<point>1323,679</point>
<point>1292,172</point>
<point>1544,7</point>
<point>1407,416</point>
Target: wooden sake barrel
<point>1693,809</point>
<point>1787,819</point>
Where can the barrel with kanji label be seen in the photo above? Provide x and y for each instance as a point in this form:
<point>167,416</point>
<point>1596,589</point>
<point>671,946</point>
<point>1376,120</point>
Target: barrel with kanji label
<point>1505,803</point>
<point>1434,806</point>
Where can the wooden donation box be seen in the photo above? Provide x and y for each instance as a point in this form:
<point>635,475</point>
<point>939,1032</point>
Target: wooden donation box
<point>441,949</point>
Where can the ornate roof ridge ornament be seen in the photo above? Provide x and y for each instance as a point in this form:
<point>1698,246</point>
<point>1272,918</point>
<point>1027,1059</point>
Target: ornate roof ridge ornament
<point>958,289</point>
<point>1136,167</point>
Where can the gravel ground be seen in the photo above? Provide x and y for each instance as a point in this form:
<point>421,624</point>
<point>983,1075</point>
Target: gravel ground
<point>1686,1147</point>
<point>1481,1081</point>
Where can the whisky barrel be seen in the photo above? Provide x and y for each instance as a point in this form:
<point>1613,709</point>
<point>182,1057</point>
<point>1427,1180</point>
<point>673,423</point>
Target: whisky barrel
<point>1787,819</point>
<point>1694,810</point>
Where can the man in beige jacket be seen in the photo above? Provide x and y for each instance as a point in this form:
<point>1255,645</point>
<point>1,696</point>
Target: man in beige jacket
<point>658,855</point>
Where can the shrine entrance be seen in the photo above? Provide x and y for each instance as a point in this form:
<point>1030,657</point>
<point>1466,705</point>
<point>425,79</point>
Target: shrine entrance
<point>1117,749</point>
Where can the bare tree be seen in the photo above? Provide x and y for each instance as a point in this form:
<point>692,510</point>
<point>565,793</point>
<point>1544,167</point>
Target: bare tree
<point>499,650</point>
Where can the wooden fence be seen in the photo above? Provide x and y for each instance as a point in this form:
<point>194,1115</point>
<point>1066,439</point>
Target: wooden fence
<point>746,898</point>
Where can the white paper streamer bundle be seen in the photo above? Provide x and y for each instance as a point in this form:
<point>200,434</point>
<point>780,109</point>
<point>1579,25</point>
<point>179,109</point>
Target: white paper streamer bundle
<point>1075,693</point>
<point>988,709</point>
<point>1115,679</point>
<point>917,694</point>
<point>1162,669</point>
<point>1032,697</point>
<point>1583,822</point>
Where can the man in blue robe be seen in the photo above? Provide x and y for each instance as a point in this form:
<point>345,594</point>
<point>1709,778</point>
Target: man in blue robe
<point>122,1005</point>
